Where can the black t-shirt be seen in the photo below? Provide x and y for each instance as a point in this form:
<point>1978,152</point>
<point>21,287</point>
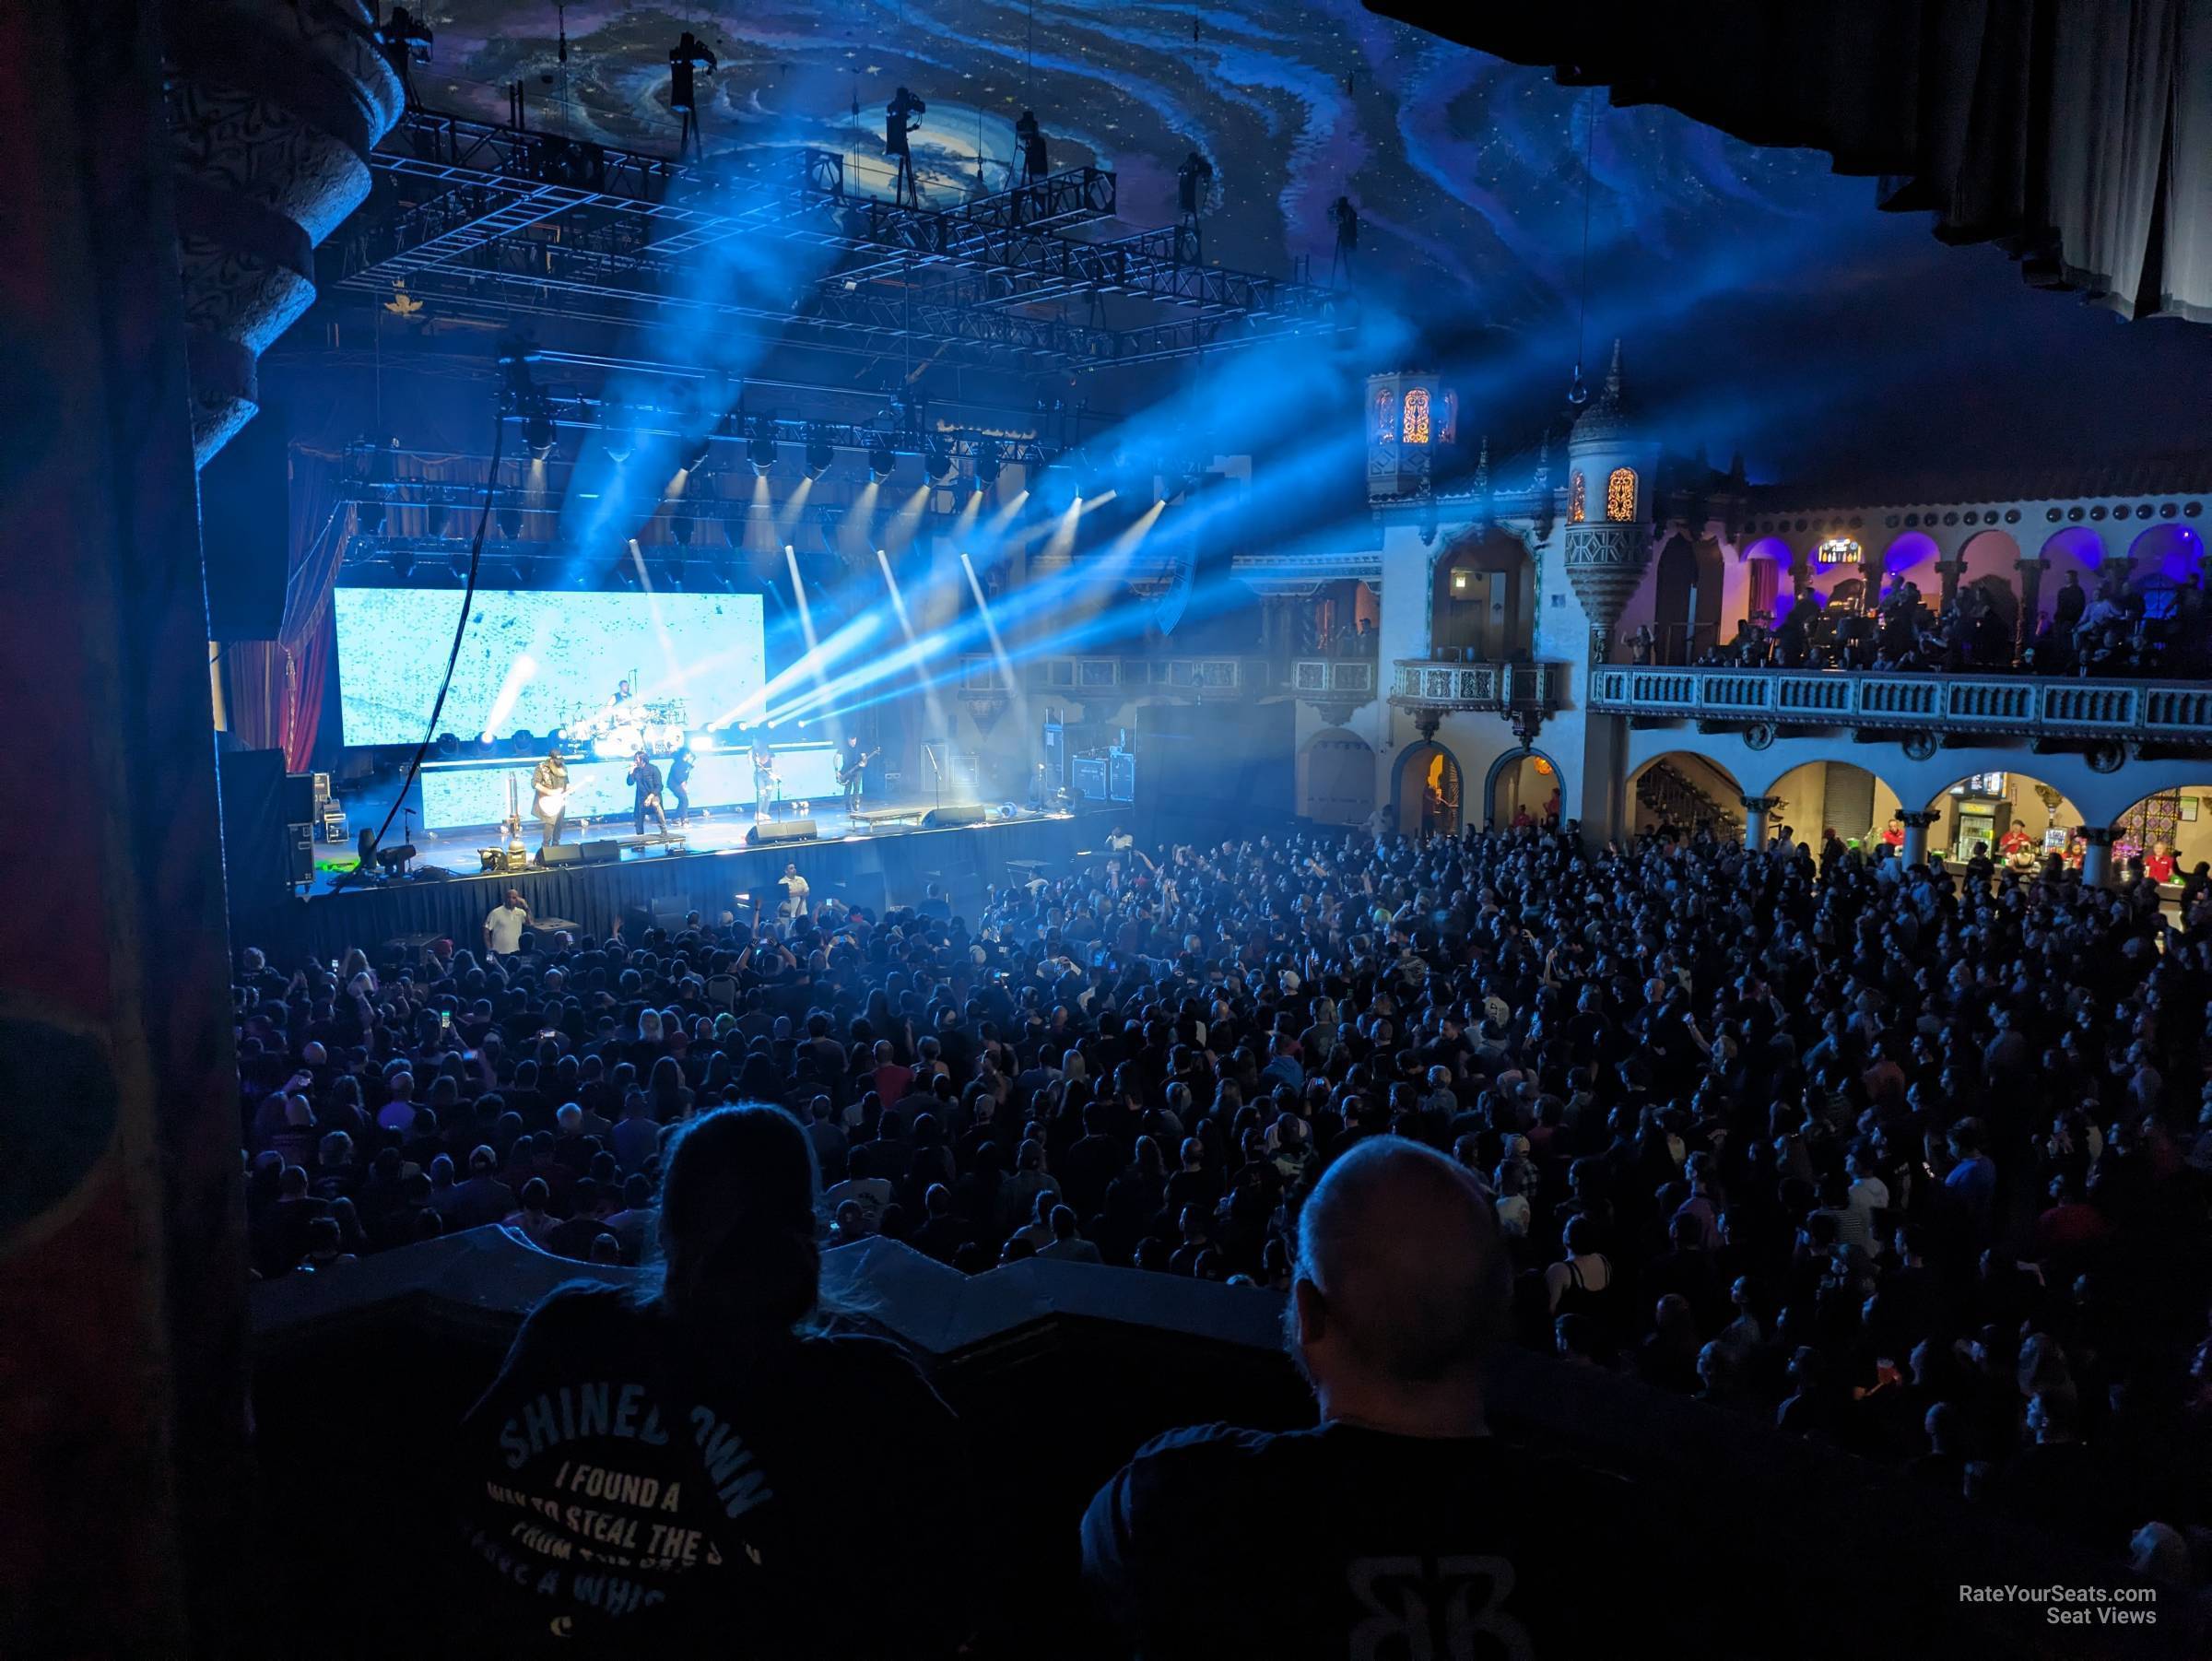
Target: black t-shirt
<point>1346,1542</point>
<point>629,1489</point>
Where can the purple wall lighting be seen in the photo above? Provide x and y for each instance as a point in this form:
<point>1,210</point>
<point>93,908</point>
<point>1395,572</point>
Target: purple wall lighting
<point>2172,552</point>
<point>2076,546</point>
<point>1911,555</point>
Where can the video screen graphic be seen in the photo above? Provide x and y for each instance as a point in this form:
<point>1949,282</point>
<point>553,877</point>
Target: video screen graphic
<point>538,662</point>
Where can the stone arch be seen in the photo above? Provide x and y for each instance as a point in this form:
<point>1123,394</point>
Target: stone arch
<point>1428,790</point>
<point>2076,552</point>
<point>1911,558</point>
<point>2178,820</point>
<point>2167,553</point>
<point>1817,796</point>
<point>1684,789</point>
<point>1522,778</point>
<point>1995,806</point>
<point>1768,584</point>
<point>1482,599</point>
<point>1686,604</point>
<point>1336,777</point>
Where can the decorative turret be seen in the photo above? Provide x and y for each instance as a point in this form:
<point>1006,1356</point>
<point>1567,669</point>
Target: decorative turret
<point>1611,469</point>
<point>1409,415</point>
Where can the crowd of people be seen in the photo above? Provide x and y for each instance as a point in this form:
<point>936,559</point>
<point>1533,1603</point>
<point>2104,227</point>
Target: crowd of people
<point>1915,1163</point>
<point>2111,629</point>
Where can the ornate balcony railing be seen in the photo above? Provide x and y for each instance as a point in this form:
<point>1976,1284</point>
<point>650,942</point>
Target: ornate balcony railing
<point>1423,684</point>
<point>1993,706</point>
<point>1103,677</point>
<point>1334,680</point>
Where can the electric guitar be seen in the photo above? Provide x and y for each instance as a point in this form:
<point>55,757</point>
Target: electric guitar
<point>845,775</point>
<point>550,803</point>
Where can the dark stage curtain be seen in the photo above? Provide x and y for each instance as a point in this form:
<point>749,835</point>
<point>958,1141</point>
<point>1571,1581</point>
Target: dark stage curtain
<point>2074,134</point>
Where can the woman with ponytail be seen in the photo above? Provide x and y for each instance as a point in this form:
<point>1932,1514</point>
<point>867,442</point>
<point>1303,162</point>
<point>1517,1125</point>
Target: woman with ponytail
<point>677,1466</point>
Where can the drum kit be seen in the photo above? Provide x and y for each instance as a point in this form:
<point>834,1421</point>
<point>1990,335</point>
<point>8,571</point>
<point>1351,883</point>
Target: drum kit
<point>658,726</point>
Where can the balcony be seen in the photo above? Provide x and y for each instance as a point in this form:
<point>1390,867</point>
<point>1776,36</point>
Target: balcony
<point>1110,679</point>
<point>1423,684</point>
<point>1337,686</point>
<point>1967,706</point>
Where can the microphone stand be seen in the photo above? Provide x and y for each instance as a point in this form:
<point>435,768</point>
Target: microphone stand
<point>929,755</point>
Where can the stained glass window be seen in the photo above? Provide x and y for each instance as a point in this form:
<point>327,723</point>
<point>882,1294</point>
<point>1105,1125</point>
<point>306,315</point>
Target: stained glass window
<point>1386,415</point>
<point>1417,416</point>
<point>1575,507</point>
<point>1620,494</point>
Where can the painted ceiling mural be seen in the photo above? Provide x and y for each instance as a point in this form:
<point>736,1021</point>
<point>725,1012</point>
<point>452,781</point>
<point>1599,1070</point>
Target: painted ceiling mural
<point>1830,326</point>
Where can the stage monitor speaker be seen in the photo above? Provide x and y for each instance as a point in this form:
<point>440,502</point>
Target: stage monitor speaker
<point>603,853</point>
<point>299,807</point>
<point>245,524</point>
<point>789,830</point>
<point>964,813</point>
<point>561,854</point>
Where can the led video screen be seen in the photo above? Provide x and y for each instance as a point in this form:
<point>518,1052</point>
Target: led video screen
<point>537,661</point>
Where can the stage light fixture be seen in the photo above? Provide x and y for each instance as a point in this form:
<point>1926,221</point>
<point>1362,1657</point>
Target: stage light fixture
<point>700,455</point>
<point>538,433</point>
<point>760,450</point>
<point>683,529</point>
<point>403,565</point>
<point>458,565</point>
<point>673,574</point>
<point>940,460</point>
<point>511,523</point>
<point>820,455</point>
<point>369,518</point>
<point>883,461</point>
<point>617,450</point>
<point>989,459</point>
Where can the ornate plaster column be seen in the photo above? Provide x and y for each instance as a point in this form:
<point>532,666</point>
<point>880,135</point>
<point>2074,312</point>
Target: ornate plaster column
<point>1917,823</point>
<point>2031,592</point>
<point>1756,809</point>
<point>2097,856</point>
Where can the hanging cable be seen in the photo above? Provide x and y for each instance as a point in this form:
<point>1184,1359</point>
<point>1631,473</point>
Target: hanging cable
<point>452,658</point>
<point>1578,390</point>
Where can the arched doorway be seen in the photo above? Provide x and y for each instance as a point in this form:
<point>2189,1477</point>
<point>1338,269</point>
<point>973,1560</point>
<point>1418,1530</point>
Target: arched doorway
<point>1336,777</point>
<point>1426,789</point>
<point>2169,833</point>
<point>1522,789</point>
<point>2070,560</point>
<point>1687,604</point>
<point>1817,797</point>
<point>1766,586</point>
<point>1685,792</point>
<point>2016,818</point>
<point>1482,607</point>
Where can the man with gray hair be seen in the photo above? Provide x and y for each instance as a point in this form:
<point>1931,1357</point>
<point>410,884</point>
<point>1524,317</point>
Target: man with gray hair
<point>1396,1526</point>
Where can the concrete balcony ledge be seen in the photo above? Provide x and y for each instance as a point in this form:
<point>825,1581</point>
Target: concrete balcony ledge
<point>1991,706</point>
<point>1436,685</point>
<point>1103,677</point>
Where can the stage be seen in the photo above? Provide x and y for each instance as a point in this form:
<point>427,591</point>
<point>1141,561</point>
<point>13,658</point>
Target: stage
<point>880,865</point>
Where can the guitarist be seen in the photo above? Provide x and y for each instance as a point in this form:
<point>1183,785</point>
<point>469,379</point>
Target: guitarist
<point>549,786</point>
<point>854,768</point>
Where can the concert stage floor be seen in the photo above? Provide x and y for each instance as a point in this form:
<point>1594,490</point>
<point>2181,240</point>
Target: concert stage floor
<point>714,871</point>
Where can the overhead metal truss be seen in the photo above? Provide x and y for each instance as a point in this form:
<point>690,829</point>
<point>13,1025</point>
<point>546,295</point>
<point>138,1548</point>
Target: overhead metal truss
<point>509,221</point>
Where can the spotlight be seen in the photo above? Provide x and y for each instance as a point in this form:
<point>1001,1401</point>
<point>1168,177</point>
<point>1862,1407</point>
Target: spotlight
<point>673,574</point>
<point>511,523</point>
<point>624,574</point>
<point>820,453</point>
<point>760,450</point>
<point>458,564</point>
<point>882,461</point>
<point>683,530</point>
<point>538,433</point>
<point>403,564</point>
<point>369,518</point>
<point>617,450</point>
<point>523,741</point>
<point>448,745</point>
<point>939,460</point>
<point>700,455</point>
<point>989,459</point>
<point>436,516</point>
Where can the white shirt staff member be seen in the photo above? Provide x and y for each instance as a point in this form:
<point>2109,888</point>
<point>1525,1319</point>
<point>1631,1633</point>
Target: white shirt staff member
<point>504,925</point>
<point>794,892</point>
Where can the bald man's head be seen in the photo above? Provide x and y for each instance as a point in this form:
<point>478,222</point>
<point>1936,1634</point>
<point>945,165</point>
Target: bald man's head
<point>1401,1277</point>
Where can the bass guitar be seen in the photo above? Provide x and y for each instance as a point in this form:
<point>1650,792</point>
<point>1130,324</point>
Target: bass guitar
<point>845,775</point>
